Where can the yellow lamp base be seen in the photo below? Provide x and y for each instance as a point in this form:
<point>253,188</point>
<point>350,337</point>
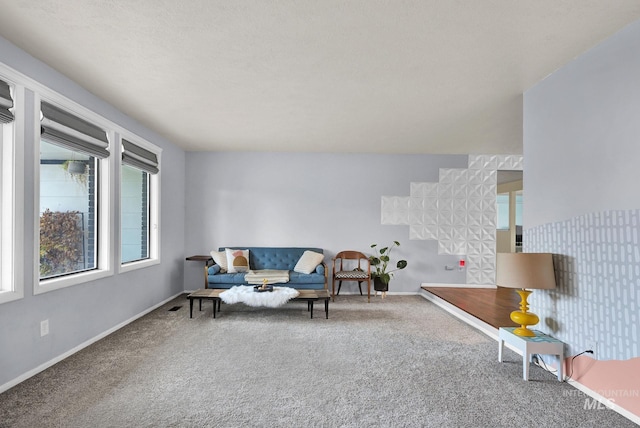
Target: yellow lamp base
<point>523,332</point>
<point>523,317</point>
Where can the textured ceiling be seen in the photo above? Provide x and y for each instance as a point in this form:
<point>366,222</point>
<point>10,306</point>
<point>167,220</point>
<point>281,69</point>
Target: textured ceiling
<point>365,76</point>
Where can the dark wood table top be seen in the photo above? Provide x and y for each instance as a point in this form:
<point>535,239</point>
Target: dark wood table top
<point>199,258</point>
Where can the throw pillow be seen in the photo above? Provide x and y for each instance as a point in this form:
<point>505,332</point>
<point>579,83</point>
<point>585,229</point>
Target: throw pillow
<point>308,262</point>
<point>237,260</point>
<point>220,258</point>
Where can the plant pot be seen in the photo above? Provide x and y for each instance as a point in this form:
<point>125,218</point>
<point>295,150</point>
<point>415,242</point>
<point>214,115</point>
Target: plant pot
<point>378,285</point>
<point>76,167</point>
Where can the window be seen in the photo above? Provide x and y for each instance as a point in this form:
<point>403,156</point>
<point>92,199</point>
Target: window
<point>134,192</point>
<point>74,209</point>
<point>502,201</point>
<point>11,229</point>
<point>509,225</point>
<point>68,232</point>
<point>138,204</point>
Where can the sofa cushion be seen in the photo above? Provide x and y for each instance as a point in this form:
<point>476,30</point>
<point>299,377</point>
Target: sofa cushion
<point>305,278</point>
<point>237,260</point>
<point>220,258</point>
<point>227,278</point>
<point>308,262</point>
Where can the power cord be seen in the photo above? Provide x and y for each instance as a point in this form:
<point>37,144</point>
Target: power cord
<point>589,351</point>
<point>540,360</point>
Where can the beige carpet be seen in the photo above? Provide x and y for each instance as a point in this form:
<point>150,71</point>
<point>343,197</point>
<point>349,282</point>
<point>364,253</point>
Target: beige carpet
<point>398,362</point>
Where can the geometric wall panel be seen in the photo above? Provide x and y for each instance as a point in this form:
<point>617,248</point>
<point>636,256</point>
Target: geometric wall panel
<point>459,211</point>
<point>395,210</point>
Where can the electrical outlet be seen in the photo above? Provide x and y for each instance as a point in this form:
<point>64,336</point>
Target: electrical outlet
<point>592,345</point>
<point>44,328</point>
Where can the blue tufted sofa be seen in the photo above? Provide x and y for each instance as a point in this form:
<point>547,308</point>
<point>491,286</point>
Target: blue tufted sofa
<point>271,258</point>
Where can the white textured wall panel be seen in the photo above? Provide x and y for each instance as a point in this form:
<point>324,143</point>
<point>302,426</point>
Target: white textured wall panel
<point>459,212</point>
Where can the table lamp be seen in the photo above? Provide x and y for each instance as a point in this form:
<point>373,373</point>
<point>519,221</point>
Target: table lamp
<point>525,271</point>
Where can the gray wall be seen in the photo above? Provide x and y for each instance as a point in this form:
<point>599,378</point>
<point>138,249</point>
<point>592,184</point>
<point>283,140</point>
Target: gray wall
<point>581,175</point>
<point>331,201</point>
<point>81,312</point>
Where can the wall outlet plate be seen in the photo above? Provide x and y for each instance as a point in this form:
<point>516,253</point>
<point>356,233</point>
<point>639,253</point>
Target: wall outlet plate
<point>44,328</point>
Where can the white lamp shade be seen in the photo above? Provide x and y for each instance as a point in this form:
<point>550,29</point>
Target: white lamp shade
<point>525,270</point>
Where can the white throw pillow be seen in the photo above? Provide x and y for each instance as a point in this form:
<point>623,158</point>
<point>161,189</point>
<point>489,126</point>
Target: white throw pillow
<point>308,262</point>
<point>237,260</point>
<point>220,258</point>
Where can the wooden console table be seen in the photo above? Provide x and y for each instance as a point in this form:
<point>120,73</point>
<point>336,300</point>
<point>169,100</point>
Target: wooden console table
<point>204,259</point>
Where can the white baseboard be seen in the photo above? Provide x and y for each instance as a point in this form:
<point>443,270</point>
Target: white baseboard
<point>83,345</point>
<point>437,284</point>
<point>373,293</point>
<point>605,401</point>
<point>485,328</point>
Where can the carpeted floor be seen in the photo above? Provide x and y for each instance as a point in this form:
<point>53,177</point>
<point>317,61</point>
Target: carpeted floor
<point>398,362</point>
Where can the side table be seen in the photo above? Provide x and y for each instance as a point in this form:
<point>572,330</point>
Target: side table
<point>204,259</point>
<point>539,344</point>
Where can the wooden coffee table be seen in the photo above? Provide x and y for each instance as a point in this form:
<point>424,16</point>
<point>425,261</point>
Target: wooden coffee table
<point>213,294</point>
<point>312,296</point>
<point>208,294</point>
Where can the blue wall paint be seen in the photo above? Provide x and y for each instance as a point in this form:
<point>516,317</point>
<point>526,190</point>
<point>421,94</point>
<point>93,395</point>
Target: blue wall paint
<point>581,152</point>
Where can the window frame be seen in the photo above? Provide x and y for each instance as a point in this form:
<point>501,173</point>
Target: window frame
<point>12,194</point>
<point>154,206</point>
<point>28,95</point>
<point>104,202</point>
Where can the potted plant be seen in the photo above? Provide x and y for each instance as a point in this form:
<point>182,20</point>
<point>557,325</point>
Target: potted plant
<point>77,170</point>
<point>380,263</point>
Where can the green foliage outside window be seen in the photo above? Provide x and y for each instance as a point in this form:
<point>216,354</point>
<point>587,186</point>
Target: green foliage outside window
<point>61,239</point>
